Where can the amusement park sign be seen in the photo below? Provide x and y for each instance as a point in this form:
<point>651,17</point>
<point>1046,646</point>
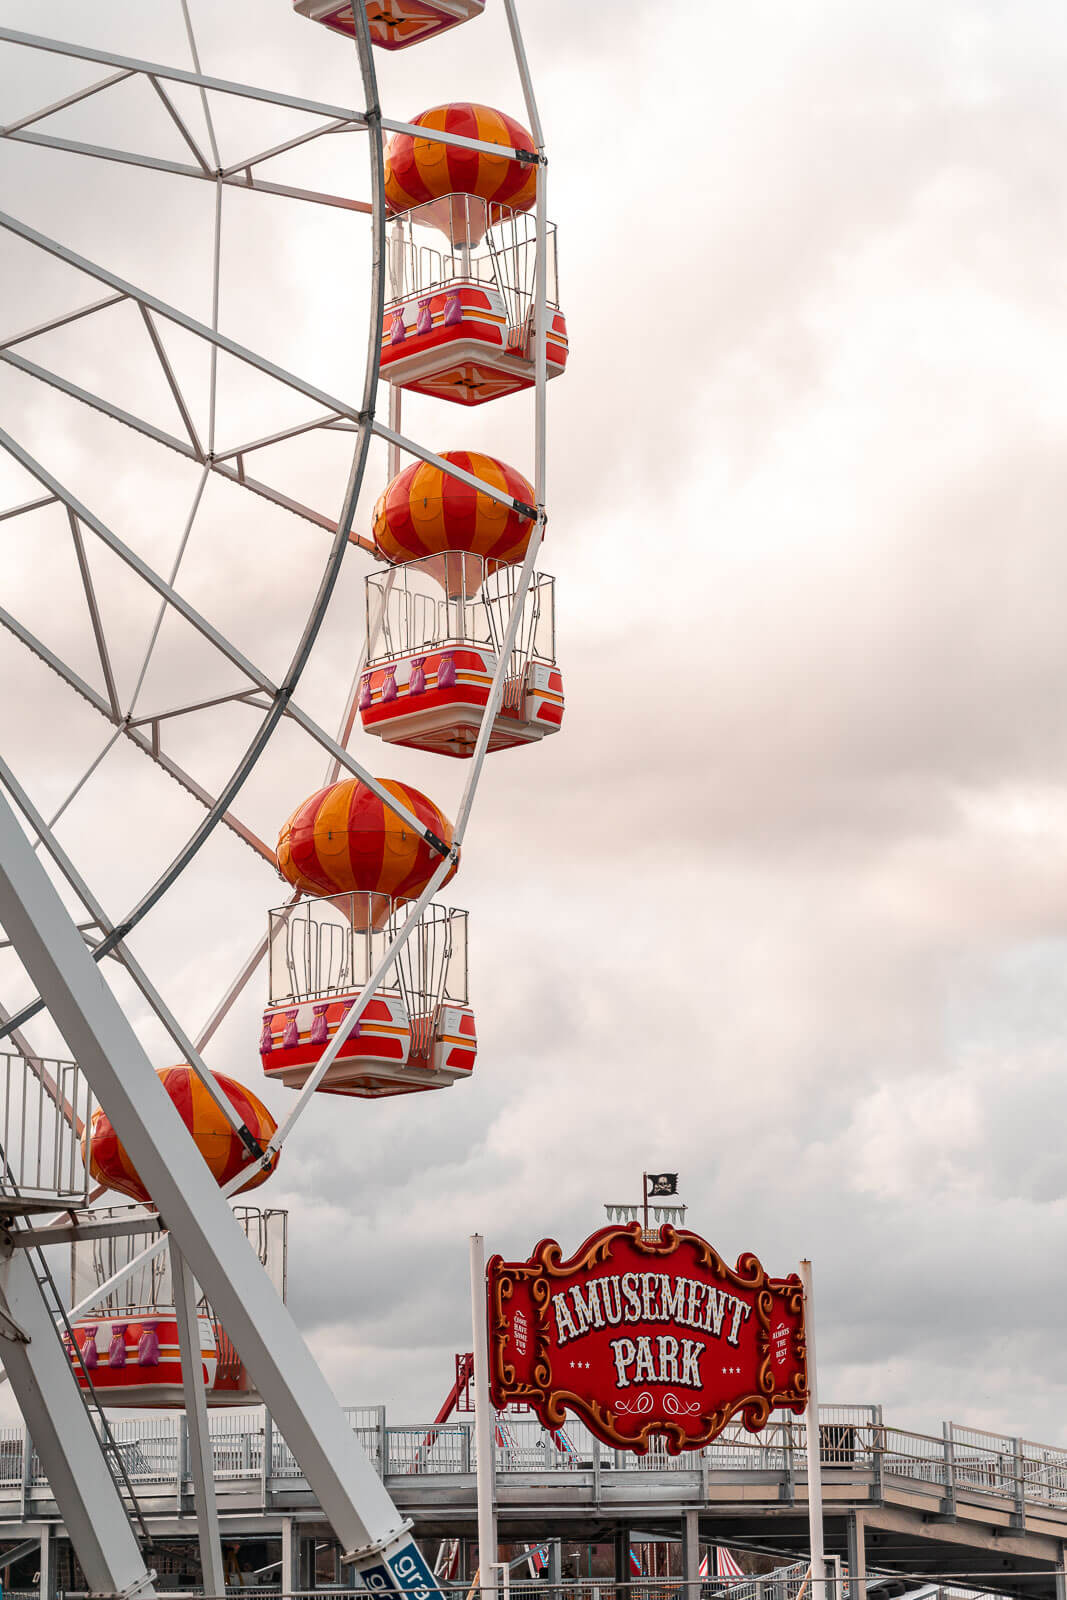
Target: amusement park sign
<point>643,1336</point>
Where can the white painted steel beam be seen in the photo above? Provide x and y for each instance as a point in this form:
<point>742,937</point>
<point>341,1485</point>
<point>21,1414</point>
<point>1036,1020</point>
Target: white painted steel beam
<point>74,878</point>
<point>171,313</point>
<point>61,322</point>
<point>181,169</point>
<point>814,1453</point>
<point>129,64</point>
<point>344,114</point>
<point>68,100</point>
<point>145,745</point>
<point>42,1378</point>
<point>220,463</point>
<point>213,1573</point>
<point>172,112</point>
<point>159,1146</point>
<point>87,397</point>
<point>30,505</point>
<point>484,1424</point>
<point>208,630</point>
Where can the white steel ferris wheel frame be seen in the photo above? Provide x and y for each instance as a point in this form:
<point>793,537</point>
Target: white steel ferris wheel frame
<point>59,954</point>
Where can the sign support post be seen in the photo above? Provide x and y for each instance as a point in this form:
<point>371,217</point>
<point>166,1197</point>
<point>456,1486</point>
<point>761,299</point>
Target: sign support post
<point>811,1429</point>
<point>483,1424</point>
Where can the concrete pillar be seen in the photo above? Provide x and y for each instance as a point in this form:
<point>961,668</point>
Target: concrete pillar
<point>857,1558</point>
<point>1061,1575</point>
<point>691,1553</point>
<point>290,1579</point>
<point>47,1583</point>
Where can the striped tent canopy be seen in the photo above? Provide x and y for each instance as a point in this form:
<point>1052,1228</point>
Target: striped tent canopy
<point>424,511</point>
<point>420,170</point>
<point>213,1135</point>
<point>344,839</point>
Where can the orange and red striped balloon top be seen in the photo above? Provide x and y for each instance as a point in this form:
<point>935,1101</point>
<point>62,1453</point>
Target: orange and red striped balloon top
<point>418,170</point>
<point>344,838</point>
<point>212,1133</point>
<point>424,511</point>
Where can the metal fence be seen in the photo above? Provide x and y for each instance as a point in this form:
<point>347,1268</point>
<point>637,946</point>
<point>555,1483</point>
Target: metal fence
<point>853,1441</point>
<point>44,1106</point>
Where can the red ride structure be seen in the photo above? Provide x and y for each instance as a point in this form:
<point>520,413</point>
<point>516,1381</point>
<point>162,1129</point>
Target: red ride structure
<point>361,865</point>
<point>439,614</point>
<point>394,24</point>
<point>460,323</point>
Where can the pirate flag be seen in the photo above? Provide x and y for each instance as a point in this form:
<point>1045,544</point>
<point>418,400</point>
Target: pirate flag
<point>662,1183</point>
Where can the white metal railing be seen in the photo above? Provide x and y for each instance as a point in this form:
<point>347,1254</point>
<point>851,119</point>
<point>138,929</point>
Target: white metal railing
<point>330,945</point>
<point>247,1448</point>
<point>455,600</point>
<point>481,242</point>
<point>44,1106</point>
<point>149,1289</point>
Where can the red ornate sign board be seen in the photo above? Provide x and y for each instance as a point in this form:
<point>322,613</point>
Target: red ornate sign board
<point>640,1337</point>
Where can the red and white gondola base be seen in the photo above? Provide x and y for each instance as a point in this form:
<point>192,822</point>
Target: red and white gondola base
<point>458,345</point>
<point>394,24</point>
<point>387,1052</point>
<point>134,1360</point>
<point>434,701</point>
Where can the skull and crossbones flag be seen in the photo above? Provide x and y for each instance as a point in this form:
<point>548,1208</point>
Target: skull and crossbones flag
<point>662,1183</point>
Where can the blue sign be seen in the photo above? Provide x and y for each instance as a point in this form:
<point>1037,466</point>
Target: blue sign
<point>406,1570</point>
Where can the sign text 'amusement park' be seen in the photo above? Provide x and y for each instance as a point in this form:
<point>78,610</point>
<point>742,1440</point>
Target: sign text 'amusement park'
<point>642,1336</point>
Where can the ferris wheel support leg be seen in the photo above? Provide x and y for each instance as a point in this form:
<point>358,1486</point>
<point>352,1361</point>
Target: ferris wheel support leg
<point>352,1496</point>
<point>43,1382</point>
<point>213,1574</point>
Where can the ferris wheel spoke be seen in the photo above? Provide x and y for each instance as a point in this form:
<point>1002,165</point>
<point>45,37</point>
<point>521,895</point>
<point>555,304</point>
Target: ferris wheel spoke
<point>77,883</point>
<point>161,613</point>
<point>178,121</point>
<point>241,697</point>
<point>246,91</point>
<point>335,125</point>
<point>68,100</point>
<point>180,318</point>
<point>182,169</point>
<point>281,699</point>
<point>31,505</point>
<point>148,745</point>
<point>94,614</point>
<point>275,438</point>
<point>172,382</point>
<point>228,464</point>
<point>96,402</point>
<point>61,322</point>
<point>148,574</point>
<point>195,53</point>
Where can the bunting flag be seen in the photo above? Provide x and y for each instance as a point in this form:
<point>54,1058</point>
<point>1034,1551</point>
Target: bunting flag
<point>657,1213</point>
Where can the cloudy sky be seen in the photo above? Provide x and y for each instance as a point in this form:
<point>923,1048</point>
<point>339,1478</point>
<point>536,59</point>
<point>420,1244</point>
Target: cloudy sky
<point>781,907</point>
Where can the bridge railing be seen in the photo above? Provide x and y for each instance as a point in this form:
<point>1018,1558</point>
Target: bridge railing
<point>246,1448</point>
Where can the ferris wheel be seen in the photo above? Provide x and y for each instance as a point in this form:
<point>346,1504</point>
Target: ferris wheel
<point>148,612</point>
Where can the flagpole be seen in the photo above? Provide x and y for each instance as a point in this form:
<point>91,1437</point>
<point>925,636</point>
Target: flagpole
<point>483,1424</point>
<point>811,1429</point>
<point>644,1190</point>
